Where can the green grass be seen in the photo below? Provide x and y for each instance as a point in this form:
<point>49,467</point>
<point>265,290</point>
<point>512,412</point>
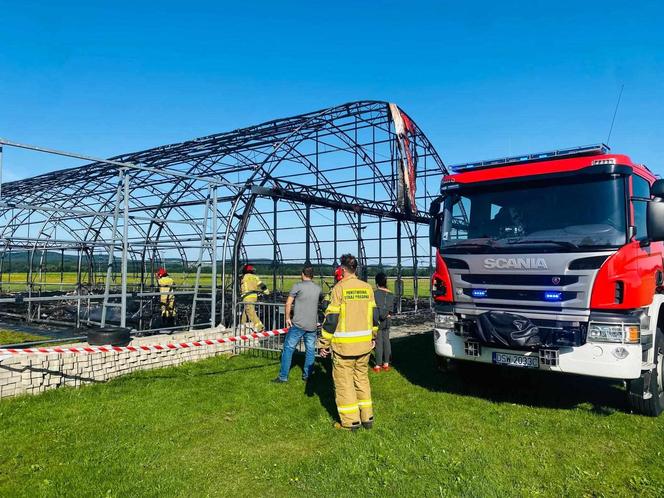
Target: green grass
<point>13,337</point>
<point>220,428</point>
<point>53,281</point>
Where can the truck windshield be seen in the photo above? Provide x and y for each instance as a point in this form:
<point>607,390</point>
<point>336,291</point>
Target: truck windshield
<point>554,215</point>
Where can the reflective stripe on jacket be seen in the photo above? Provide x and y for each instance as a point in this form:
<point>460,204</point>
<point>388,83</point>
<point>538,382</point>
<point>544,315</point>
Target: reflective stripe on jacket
<point>350,319</point>
<point>250,287</point>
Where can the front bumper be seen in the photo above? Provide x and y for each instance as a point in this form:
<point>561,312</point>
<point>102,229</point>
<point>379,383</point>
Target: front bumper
<point>591,359</point>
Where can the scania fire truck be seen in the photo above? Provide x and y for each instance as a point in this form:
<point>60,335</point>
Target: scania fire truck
<point>553,261</point>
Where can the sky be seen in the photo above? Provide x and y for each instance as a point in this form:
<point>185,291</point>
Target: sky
<point>481,79</point>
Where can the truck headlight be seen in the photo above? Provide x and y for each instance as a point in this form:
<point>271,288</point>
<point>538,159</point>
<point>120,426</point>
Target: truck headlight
<point>445,321</point>
<point>604,332</point>
<point>438,288</point>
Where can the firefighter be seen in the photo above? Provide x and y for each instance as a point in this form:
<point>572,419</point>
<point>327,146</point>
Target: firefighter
<point>250,288</point>
<point>349,329</point>
<point>166,297</point>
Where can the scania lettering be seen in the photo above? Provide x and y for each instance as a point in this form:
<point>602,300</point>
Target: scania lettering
<point>554,261</point>
<point>521,263</point>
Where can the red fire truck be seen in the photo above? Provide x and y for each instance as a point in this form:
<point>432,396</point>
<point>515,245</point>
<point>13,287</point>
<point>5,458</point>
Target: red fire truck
<point>553,261</point>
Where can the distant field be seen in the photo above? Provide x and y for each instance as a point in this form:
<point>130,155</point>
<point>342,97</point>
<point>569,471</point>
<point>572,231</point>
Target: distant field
<point>67,282</point>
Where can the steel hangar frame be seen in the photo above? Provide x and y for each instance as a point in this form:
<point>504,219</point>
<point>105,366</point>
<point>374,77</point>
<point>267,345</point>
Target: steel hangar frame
<point>357,177</point>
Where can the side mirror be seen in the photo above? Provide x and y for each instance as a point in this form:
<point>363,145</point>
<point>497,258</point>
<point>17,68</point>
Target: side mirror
<point>655,218</point>
<point>657,189</point>
<point>434,209</point>
<point>435,222</point>
<point>434,231</point>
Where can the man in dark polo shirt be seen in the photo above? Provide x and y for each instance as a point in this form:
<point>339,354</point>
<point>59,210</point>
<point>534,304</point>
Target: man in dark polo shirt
<point>305,295</point>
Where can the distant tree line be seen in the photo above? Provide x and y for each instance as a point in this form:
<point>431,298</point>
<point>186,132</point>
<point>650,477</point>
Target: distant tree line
<point>18,262</point>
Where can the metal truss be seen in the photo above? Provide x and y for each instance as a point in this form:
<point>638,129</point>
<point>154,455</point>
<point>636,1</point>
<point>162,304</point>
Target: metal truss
<point>304,188</point>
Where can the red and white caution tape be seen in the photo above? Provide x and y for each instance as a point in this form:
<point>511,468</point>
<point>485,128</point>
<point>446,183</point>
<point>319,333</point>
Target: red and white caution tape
<point>152,347</point>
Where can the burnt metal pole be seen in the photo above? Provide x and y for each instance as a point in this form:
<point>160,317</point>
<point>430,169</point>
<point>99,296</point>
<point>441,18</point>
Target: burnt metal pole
<point>0,172</point>
<point>223,267</point>
<point>334,262</point>
<point>125,253</point>
<point>78,288</point>
<point>111,248</point>
<point>362,261</point>
<point>380,243</point>
<point>2,266</point>
<point>62,268</point>
<point>416,278</point>
<point>307,227</point>
<point>275,220</point>
<point>214,242</point>
<point>237,249</point>
<point>398,286</point>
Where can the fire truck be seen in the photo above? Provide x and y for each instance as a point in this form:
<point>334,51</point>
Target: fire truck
<point>554,261</point>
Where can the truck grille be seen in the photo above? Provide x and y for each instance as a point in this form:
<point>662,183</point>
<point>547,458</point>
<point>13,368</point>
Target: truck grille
<point>524,280</point>
<point>519,294</point>
<point>551,286</point>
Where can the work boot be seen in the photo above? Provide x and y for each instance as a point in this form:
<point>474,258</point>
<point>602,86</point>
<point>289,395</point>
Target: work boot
<point>368,424</point>
<point>352,428</point>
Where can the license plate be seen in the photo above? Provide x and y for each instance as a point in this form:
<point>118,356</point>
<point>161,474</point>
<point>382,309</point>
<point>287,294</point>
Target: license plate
<point>516,360</point>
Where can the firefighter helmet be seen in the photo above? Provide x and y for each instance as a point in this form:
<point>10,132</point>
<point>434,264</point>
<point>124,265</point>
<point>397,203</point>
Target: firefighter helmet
<point>248,269</point>
<point>161,272</point>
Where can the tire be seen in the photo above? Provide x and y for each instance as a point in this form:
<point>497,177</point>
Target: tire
<point>650,382</point>
<point>109,337</point>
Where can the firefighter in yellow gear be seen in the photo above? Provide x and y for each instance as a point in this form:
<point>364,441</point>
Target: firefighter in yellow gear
<point>250,287</point>
<point>349,329</point>
<point>166,297</point>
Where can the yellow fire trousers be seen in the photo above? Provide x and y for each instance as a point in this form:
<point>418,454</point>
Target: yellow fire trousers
<point>352,389</point>
<point>249,315</point>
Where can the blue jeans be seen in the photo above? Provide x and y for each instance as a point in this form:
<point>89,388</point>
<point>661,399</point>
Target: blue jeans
<point>292,339</point>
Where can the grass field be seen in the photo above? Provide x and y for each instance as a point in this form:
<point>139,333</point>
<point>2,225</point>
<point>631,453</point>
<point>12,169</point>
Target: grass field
<point>13,337</point>
<point>220,428</point>
<point>67,282</point>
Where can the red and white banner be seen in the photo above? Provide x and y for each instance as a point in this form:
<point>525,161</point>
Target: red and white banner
<point>152,347</point>
<point>403,126</point>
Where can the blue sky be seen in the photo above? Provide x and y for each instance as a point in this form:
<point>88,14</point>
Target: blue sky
<point>483,79</point>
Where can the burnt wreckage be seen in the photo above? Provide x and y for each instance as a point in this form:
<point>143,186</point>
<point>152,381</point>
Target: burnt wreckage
<point>80,246</point>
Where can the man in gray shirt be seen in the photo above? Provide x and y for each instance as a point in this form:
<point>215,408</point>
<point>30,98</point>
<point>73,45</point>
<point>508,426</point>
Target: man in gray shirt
<point>306,296</point>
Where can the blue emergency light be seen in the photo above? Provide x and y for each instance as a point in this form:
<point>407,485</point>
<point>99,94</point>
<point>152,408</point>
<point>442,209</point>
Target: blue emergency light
<point>553,295</point>
<point>479,292</point>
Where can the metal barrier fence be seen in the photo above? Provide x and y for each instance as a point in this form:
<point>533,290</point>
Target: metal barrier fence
<point>271,316</point>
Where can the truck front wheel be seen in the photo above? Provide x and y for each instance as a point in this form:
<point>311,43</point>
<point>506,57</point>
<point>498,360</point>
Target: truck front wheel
<point>646,394</point>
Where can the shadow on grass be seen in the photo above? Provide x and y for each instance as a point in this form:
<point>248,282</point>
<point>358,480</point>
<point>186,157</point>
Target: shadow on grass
<point>46,371</point>
<point>414,359</point>
<point>320,384</point>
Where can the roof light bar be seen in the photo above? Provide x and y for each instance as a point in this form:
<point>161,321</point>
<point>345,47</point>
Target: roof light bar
<point>583,150</point>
